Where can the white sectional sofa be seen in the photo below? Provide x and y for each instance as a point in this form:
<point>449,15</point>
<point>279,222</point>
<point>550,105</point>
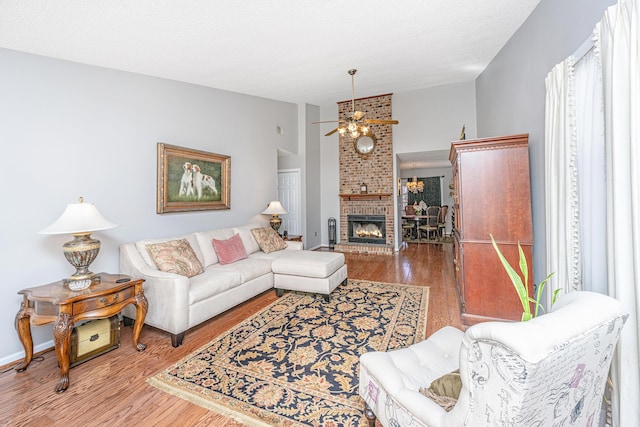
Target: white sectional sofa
<point>178,303</point>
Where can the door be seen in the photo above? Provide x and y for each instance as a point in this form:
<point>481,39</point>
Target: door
<point>289,196</point>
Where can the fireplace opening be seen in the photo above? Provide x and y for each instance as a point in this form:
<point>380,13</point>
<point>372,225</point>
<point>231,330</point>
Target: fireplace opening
<point>367,229</point>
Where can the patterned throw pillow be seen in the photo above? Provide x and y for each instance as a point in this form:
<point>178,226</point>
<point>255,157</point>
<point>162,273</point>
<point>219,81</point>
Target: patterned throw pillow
<point>175,256</point>
<point>268,239</point>
<point>229,250</point>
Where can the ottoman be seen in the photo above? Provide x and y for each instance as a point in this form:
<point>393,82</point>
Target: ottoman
<point>309,271</point>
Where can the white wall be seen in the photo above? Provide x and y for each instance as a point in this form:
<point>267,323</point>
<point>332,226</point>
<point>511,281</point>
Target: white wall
<point>429,119</point>
<point>72,130</point>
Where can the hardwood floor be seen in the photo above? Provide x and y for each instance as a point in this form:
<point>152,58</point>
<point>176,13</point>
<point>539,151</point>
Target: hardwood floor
<point>112,390</point>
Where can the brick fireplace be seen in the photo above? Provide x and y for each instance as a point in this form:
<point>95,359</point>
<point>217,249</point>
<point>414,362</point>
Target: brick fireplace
<point>376,172</point>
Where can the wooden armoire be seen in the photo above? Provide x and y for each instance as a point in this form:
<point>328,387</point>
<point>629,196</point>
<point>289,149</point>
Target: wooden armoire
<point>492,196</point>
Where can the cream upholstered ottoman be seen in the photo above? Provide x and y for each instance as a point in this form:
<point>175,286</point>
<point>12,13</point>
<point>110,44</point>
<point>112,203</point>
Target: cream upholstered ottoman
<point>309,271</point>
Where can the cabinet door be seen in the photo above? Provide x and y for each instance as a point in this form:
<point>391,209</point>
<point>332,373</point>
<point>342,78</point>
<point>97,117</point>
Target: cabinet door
<point>488,291</point>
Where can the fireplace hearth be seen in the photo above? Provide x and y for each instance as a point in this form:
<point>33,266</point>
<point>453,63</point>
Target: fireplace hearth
<point>367,229</point>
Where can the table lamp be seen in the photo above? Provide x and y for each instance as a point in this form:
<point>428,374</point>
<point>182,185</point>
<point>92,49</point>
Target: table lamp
<point>275,209</point>
<point>79,220</point>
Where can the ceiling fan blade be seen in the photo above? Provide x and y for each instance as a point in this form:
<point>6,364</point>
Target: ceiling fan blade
<point>381,122</point>
<point>357,115</point>
<point>326,121</point>
<point>331,133</point>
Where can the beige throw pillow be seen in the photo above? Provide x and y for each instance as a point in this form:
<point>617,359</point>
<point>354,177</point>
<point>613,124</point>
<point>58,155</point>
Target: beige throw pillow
<point>175,256</point>
<point>268,239</point>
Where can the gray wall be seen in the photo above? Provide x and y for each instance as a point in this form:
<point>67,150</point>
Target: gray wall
<point>511,91</point>
<point>311,196</point>
<point>72,130</point>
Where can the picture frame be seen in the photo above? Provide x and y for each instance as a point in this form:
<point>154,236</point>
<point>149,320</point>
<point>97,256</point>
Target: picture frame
<point>192,180</point>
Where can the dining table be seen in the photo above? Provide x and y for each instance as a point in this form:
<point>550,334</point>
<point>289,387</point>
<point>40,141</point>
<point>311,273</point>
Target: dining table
<point>417,219</point>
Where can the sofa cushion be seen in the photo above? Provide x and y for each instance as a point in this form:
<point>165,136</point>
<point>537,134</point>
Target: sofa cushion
<point>141,246</point>
<point>308,263</point>
<point>250,244</point>
<point>249,268</point>
<point>268,240</point>
<point>229,250</point>
<point>212,282</point>
<point>204,239</point>
<point>175,256</point>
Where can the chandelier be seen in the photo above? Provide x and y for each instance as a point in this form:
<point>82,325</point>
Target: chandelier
<point>415,186</point>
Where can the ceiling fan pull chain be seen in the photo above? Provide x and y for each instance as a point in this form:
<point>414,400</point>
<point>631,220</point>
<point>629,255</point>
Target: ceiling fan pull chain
<point>353,91</point>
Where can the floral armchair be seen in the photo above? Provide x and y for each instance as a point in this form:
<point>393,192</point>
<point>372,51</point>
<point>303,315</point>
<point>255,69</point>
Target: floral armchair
<point>551,370</point>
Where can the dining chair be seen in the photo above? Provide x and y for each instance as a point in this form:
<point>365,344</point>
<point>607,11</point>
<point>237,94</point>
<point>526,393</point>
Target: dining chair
<point>442,220</point>
<point>430,222</point>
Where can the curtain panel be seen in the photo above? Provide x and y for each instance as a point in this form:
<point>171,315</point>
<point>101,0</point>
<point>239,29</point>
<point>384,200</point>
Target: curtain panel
<point>592,187</point>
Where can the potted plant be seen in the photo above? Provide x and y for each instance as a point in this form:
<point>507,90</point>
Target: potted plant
<point>521,283</point>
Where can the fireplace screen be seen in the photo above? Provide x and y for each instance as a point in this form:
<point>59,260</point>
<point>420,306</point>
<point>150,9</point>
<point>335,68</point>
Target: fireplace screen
<point>367,229</point>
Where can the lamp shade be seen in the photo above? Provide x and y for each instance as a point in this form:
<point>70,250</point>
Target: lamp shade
<point>79,218</point>
<point>274,208</point>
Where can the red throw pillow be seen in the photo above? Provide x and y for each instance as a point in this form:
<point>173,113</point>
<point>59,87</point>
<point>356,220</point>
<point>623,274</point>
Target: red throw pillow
<point>229,250</point>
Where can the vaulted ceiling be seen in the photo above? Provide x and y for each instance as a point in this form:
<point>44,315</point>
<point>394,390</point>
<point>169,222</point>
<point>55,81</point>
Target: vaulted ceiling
<point>289,50</point>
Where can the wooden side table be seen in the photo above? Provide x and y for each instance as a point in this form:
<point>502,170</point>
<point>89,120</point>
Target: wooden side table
<point>56,303</point>
<point>293,238</point>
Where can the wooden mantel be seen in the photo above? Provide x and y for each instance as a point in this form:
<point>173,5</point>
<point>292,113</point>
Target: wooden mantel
<point>365,196</point>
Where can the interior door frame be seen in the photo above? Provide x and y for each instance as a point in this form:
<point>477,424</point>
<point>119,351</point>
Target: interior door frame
<point>298,216</point>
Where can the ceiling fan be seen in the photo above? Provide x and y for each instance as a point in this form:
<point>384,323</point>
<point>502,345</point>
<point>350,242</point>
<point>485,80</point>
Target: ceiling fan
<point>353,124</point>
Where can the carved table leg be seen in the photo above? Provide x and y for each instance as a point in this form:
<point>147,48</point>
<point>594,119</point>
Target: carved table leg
<point>24,333</point>
<point>62,337</point>
<point>142,306</point>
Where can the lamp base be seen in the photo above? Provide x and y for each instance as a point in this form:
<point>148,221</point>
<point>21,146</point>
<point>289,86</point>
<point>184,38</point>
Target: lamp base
<point>275,223</point>
<point>81,252</point>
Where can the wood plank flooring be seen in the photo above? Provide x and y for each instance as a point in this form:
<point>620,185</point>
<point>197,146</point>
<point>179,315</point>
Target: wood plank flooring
<point>111,390</point>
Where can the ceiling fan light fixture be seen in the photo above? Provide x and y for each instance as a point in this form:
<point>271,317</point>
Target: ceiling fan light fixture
<point>355,125</point>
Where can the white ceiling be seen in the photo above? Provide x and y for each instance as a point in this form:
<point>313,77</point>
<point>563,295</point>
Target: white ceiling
<point>424,160</point>
<point>289,50</point>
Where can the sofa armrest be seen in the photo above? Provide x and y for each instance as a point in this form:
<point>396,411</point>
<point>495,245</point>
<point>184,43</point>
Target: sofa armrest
<point>167,293</point>
<point>293,245</point>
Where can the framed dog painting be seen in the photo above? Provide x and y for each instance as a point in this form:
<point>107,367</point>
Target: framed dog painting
<point>192,180</point>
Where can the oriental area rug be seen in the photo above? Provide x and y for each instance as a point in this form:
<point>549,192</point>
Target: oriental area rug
<point>296,362</point>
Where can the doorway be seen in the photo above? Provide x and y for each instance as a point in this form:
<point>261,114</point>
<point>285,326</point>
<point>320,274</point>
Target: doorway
<point>289,196</point>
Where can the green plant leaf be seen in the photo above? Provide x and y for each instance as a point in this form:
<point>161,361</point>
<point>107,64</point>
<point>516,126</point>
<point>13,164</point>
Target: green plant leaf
<point>539,294</point>
<point>520,288</point>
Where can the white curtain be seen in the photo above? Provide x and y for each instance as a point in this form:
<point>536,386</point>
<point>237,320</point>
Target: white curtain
<point>561,181</point>
<point>589,134</point>
<point>592,167</point>
<point>620,55</point>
